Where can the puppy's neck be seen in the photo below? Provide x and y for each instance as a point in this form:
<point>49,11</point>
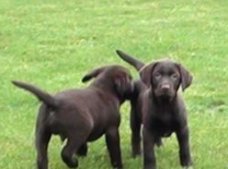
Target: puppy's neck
<point>103,85</point>
<point>107,87</point>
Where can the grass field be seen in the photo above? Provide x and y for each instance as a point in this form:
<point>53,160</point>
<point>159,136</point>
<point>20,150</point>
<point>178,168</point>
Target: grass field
<point>54,43</point>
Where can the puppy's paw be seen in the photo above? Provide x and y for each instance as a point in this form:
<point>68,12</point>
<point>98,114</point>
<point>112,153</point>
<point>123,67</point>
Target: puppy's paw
<point>82,151</point>
<point>136,153</point>
<point>72,163</point>
<point>120,167</point>
<point>117,165</point>
<point>69,160</point>
<point>188,167</point>
<point>159,142</point>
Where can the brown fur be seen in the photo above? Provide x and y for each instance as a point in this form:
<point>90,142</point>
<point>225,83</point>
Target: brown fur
<point>156,104</point>
<point>82,115</point>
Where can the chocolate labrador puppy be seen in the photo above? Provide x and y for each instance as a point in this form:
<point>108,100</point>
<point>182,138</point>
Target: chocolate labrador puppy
<point>82,115</point>
<point>159,107</point>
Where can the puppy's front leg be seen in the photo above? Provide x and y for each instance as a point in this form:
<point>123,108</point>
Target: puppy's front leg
<point>148,149</point>
<point>135,129</point>
<point>113,144</point>
<point>184,152</point>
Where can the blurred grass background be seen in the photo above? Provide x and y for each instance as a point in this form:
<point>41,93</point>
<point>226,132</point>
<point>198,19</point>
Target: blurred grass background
<point>54,43</point>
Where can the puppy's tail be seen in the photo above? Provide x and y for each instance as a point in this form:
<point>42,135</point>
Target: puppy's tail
<point>131,60</point>
<point>41,95</point>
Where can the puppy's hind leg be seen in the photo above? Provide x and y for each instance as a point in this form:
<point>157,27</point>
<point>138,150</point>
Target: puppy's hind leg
<point>68,154</point>
<point>72,145</point>
<point>82,151</point>
<point>42,140</point>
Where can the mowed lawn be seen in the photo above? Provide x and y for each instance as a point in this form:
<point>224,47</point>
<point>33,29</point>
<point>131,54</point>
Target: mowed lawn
<point>54,43</point>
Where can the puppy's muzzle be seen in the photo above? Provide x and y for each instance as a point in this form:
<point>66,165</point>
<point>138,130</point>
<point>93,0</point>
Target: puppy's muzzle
<point>165,88</point>
<point>165,91</point>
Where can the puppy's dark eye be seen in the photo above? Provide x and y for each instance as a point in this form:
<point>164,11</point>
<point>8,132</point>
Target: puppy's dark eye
<point>174,76</point>
<point>157,75</point>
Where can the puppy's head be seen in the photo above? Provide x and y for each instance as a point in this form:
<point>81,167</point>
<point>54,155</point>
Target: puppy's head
<point>113,77</point>
<point>165,77</point>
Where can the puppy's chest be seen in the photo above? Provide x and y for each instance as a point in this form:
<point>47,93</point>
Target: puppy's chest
<point>163,124</point>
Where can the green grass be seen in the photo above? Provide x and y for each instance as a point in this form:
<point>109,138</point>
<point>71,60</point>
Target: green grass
<point>54,43</point>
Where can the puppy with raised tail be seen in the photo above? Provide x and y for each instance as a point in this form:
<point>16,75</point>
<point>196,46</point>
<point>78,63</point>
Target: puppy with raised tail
<point>82,115</point>
<point>157,105</point>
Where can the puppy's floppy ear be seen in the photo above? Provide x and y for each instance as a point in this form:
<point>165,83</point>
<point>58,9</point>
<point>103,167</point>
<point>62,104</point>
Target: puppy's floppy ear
<point>122,84</point>
<point>119,83</point>
<point>186,77</point>
<point>146,73</point>
<point>92,74</point>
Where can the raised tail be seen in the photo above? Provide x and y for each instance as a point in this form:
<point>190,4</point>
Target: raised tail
<point>131,60</point>
<point>41,95</point>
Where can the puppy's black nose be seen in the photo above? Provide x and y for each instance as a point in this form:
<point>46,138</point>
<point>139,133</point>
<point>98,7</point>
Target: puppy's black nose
<point>165,87</point>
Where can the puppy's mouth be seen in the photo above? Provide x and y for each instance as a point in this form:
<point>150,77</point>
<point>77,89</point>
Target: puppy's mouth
<point>164,95</point>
